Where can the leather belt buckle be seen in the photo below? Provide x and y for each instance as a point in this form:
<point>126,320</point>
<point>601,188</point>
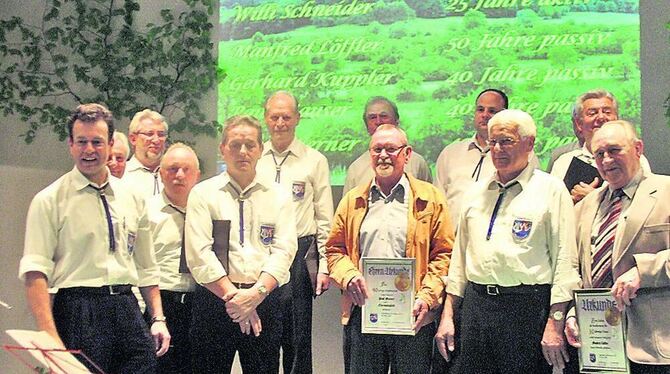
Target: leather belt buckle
<point>492,290</point>
<point>113,291</point>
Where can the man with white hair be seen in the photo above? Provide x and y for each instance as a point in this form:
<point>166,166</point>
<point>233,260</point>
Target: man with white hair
<point>514,264</point>
<point>623,239</point>
<point>148,134</point>
<point>119,155</point>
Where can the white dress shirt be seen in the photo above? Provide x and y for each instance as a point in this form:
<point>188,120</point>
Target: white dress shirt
<point>166,221</point>
<point>532,239</point>
<point>267,211</point>
<point>67,236</point>
<point>145,182</point>
<point>562,163</point>
<point>304,171</point>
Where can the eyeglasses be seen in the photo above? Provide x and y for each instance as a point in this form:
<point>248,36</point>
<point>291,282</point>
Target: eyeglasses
<point>503,142</point>
<point>390,150</point>
<point>151,134</point>
<point>96,143</point>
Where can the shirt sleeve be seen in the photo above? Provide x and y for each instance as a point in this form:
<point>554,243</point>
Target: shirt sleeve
<point>323,209</point>
<point>148,272</point>
<point>41,238</point>
<point>201,260</point>
<point>563,246</point>
<point>457,278</point>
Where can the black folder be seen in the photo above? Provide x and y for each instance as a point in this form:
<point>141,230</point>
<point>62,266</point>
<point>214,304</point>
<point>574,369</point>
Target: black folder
<point>221,236</point>
<point>580,171</point>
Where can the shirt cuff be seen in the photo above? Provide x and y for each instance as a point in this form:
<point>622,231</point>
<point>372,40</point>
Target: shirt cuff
<point>36,263</point>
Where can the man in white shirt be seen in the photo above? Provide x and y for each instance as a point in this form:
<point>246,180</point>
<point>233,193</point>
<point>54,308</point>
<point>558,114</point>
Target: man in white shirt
<point>119,155</point>
<point>147,133</point>
<point>88,236</point>
<point>240,243</point>
<point>179,172</point>
<point>303,171</point>
<point>592,109</point>
<point>380,111</point>
<point>514,264</point>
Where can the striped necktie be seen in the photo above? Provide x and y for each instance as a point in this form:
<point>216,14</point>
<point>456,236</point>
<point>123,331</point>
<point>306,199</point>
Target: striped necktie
<point>601,251</point>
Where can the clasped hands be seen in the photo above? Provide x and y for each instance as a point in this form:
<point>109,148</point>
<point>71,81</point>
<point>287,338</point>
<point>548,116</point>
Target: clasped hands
<point>241,307</point>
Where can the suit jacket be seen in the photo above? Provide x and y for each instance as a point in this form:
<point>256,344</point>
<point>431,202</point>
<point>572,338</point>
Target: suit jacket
<point>644,243</point>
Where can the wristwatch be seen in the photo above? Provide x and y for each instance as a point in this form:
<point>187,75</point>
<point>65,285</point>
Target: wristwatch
<point>557,315</point>
<point>158,319</point>
<point>262,290</point>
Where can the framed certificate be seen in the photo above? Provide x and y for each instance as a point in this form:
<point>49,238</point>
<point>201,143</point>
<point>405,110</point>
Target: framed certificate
<point>602,332</point>
<point>390,282</point>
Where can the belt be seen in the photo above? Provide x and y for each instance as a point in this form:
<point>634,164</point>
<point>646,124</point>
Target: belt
<point>304,240</point>
<point>243,286</point>
<point>177,297</point>
<point>524,289</point>
<point>115,289</point>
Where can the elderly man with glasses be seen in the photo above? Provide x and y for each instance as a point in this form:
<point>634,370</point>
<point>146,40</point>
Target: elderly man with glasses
<point>148,135</point>
<point>514,265</point>
<point>392,215</point>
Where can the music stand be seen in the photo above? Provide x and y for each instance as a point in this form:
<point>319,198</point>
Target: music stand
<point>40,345</point>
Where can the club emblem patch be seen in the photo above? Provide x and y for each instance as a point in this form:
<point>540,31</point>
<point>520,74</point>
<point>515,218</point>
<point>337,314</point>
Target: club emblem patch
<point>373,317</point>
<point>298,190</point>
<point>521,228</point>
<point>267,234</point>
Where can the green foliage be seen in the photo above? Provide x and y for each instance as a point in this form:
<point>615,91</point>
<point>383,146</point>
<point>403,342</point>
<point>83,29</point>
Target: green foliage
<point>92,51</point>
<point>473,19</point>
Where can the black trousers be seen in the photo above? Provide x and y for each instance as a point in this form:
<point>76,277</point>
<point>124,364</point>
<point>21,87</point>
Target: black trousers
<point>296,304</point>
<point>177,309</point>
<point>109,329</point>
<point>374,353</point>
<point>502,333</point>
<point>215,338</point>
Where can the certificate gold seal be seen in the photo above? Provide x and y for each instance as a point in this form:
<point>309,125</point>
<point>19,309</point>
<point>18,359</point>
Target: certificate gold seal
<point>402,282</point>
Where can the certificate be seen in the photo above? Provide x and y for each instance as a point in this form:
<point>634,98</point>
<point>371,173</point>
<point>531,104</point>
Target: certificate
<point>390,284</point>
<point>602,332</point>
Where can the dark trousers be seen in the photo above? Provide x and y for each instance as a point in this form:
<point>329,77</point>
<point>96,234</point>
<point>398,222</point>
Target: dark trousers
<point>502,333</point>
<point>177,309</point>
<point>374,353</point>
<point>296,304</point>
<point>215,338</point>
<point>439,365</point>
<point>109,329</point>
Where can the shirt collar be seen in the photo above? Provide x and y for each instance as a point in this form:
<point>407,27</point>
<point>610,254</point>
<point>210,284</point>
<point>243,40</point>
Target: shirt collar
<point>135,164</point>
<point>79,180</point>
<point>629,189</point>
<point>296,147</point>
<point>398,192</point>
<point>257,183</point>
<point>522,179</point>
<point>167,202</point>
<point>473,145</point>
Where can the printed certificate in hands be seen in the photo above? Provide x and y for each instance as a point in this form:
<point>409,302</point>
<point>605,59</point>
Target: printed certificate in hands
<point>601,332</point>
<point>390,283</point>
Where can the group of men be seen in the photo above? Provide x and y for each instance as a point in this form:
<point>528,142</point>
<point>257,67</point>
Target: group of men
<point>231,265</point>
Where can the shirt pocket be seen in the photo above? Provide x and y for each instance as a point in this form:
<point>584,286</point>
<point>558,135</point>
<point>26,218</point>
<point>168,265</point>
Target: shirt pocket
<point>125,234</point>
<point>265,231</point>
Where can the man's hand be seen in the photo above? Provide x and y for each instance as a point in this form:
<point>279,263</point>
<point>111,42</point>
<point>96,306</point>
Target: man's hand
<point>161,337</point>
<point>553,345</point>
<point>419,312</point>
<point>572,332</point>
<point>241,303</point>
<point>358,290</point>
<point>444,337</point>
<point>251,324</point>
<point>322,283</point>
<point>582,189</point>
<point>625,288</point>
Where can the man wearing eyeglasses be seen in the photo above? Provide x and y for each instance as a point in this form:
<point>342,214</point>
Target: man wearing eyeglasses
<point>148,135</point>
<point>119,155</point>
<point>393,215</point>
<point>462,163</point>
<point>89,237</point>
<point>303,171</point>
<point>514,265</point>
<point>379,111</point>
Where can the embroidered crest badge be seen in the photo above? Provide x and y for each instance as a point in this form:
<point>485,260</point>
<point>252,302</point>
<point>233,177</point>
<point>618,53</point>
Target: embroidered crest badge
<point>267,234</point>
<point>521,228</point>
<point>298,190</point>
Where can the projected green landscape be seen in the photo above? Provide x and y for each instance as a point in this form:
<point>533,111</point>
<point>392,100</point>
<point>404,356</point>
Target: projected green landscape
<point>431,58</point>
